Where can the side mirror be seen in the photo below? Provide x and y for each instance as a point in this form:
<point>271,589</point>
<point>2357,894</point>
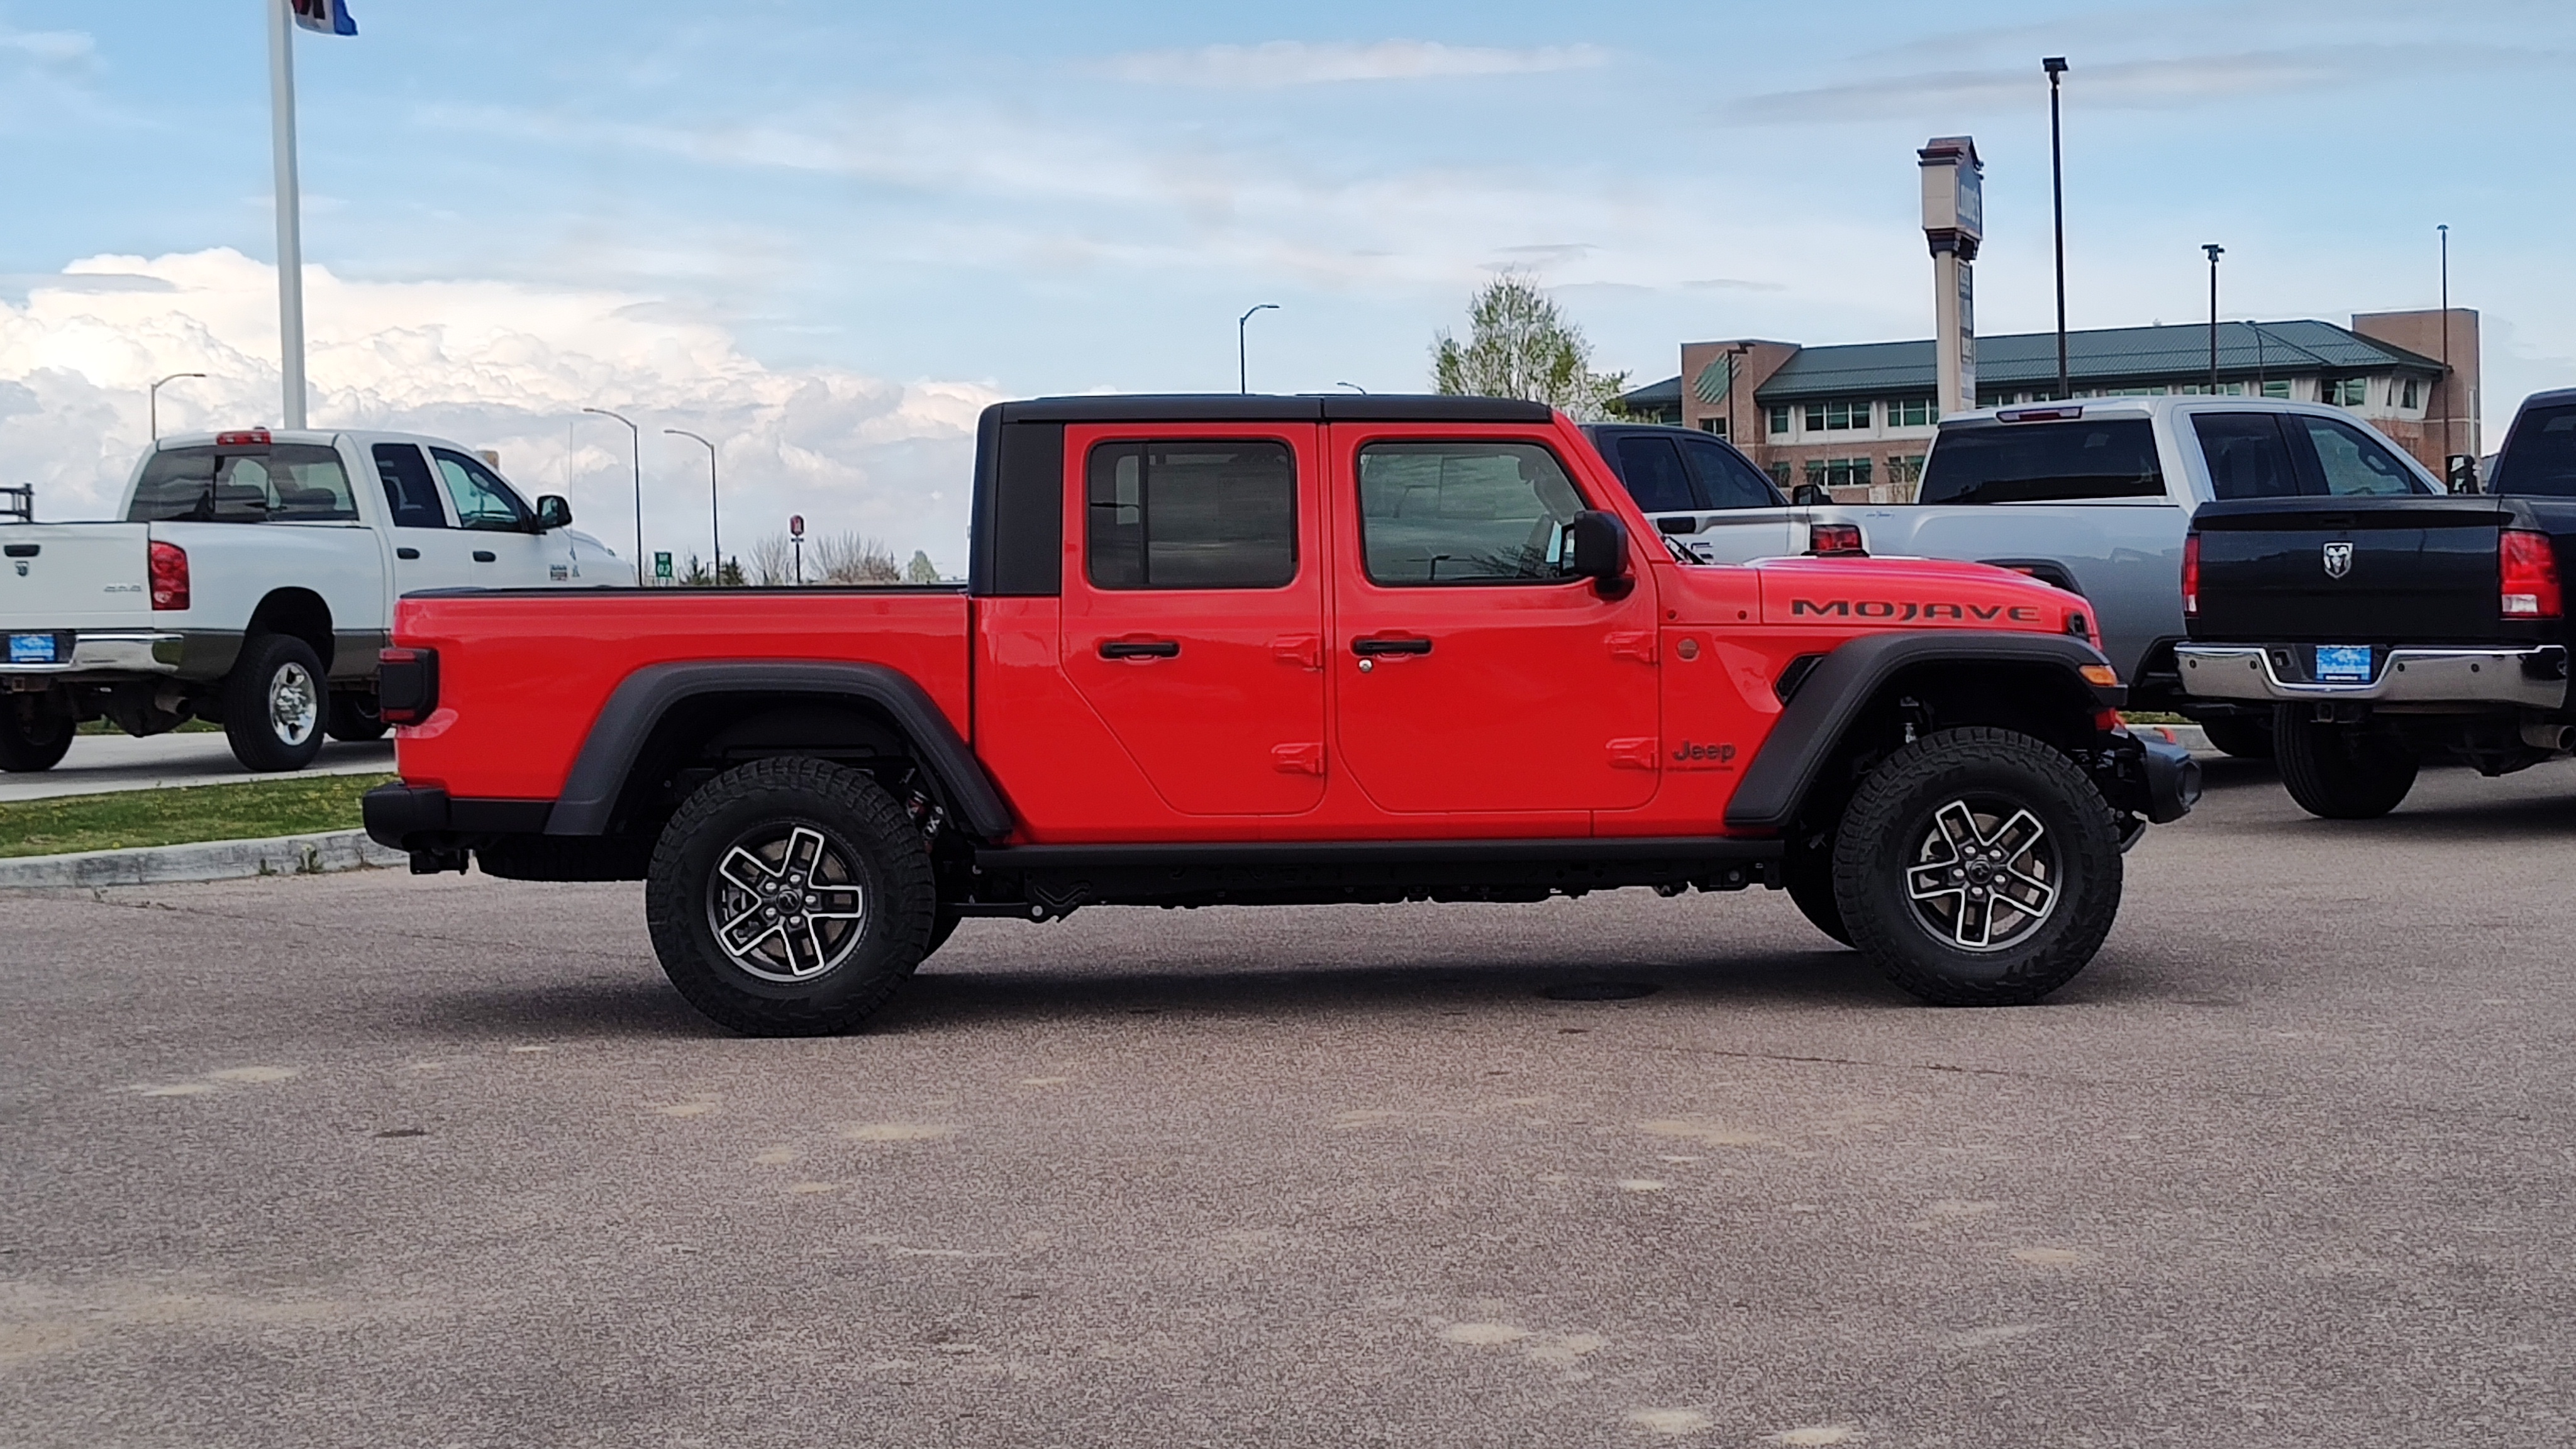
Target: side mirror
<point>1597,548</point>
<point>1809,493</point>
<point>553,511</point>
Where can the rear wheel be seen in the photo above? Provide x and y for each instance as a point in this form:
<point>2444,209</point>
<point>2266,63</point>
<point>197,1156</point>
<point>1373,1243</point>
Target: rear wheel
<point>2247,737</point>
<point>2340,772</point>
<point>354,719</point>
<point>790,897</point>
<point>274,702</point>
<point>1978,867</point>
<point>31,736</point>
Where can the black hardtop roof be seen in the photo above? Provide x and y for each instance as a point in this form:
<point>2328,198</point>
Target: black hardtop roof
<point>1226,407</point>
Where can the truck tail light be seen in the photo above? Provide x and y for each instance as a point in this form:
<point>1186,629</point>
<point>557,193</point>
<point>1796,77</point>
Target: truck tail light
<point>254,438</point>
<point>169,576</point>
<point>406,685</point>
<point>2528,573</point>
<point>1831,540</point>
<point>2191,575</point>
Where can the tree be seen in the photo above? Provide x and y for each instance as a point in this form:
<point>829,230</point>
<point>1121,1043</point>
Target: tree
<point>850,558</point>
<point>1519,345</point>
<point>921,570</point>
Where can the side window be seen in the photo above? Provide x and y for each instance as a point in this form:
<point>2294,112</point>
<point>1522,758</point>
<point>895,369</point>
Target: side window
<point>1464,513</point>
<point>1191,514</point>
<point>1726,478</point>
<point>410,496</point>
<point>1653,472</point>
<point>2248,458</point>
<point>2352,465</point>
<point>482,500</point>
<point>291,483</point>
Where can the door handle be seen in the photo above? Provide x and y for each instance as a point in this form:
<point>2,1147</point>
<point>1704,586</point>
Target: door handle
<point>1366,647</point>
<point>485,555</point>
<point>407,553</point>
<point>1140,648</point>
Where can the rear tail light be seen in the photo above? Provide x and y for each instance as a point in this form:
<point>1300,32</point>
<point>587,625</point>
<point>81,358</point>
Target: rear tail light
<point>2191,575</point>
<point>2527,571</point>
<point>169,576</point>
<point>406,685</point>
<point>1826,540</point>
<point>243,438</point>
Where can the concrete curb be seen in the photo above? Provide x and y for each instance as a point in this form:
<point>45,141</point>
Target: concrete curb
<point>209,860</point>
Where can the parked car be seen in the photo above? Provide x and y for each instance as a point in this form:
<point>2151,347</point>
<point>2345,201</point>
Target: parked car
<point>2092,495</point>
<point>1263,651</point>
<point>1699,491</point>
<point>2386,624</point>
<point>251,582</point>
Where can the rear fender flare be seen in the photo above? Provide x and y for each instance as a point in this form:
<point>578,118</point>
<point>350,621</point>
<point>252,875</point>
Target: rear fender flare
<point>627,721</point>
<point>1830,699</point>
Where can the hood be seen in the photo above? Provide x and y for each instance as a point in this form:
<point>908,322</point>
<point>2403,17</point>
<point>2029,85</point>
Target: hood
<point>1916,592</point>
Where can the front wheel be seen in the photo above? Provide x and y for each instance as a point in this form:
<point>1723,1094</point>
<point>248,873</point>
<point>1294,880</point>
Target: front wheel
<point>1978,867</point>
<point>274,702</point>
<point>790,897</point>
<point>2340,772</point>
<point>32,738</point>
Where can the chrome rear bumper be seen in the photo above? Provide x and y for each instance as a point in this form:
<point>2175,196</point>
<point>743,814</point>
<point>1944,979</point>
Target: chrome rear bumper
<point>112,651</point>
<point>2534,678</point>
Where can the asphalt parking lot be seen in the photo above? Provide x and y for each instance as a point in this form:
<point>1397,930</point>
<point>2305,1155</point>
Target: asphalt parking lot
<point>368,1160</point>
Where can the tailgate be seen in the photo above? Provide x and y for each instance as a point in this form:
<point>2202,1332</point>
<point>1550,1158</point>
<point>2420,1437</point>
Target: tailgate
<point>2323,570</point>
<point>75,576</point>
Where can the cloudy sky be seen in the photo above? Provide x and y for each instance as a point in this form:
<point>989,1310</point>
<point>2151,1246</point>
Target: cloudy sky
<point>826,233</point>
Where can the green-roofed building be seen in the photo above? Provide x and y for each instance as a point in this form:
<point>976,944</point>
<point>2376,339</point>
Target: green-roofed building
<point>1858,418</point>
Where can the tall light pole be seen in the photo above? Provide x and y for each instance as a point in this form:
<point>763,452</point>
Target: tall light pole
<point>715,521</point>
<point>290,207</point>
<point>1735,354</point>
<point>152,399</point>
<point>635,442</point>
<point>2214,249</point>
<point>1242,368</point>
<point>2055,65</point>
<point>2447,480</point>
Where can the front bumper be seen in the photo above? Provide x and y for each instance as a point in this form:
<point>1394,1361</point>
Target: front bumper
<point>109,651</point>
<point>2173,781</point>
<point>2532,678</point>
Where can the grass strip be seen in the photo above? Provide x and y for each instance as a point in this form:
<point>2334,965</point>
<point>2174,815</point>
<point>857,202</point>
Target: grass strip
<point>131,819</point>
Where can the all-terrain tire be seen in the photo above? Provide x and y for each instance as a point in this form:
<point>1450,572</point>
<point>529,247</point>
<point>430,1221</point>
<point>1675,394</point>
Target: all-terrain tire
<point>1892,832</point>
<point>2340,772</point>
<point>2247,737</point>
<point>1807,869</point>
<point>354,720</point>
<point>275,703</point>
<point>31,739</point>
<point>866,854</point>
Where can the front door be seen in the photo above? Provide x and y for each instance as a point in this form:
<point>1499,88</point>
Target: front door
<point>503,549</point>
<point>1194,626</point>
<point>1473,674</point>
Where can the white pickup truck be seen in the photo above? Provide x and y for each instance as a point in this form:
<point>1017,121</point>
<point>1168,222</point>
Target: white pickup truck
<point>252,581</point>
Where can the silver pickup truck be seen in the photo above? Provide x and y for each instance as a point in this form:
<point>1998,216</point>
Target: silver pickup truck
<point>2094,495</point>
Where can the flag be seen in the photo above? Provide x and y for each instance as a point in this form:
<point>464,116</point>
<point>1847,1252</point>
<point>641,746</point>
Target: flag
<point>331,17</point>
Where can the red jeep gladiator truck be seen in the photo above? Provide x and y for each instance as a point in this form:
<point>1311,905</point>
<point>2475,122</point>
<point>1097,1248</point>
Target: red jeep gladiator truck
<point>1283,650</point>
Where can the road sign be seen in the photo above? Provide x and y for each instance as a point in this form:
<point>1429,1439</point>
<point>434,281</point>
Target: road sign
<point>661,565</point>
<point>796,525</point>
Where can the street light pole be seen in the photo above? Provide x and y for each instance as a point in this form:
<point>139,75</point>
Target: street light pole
<point>1242,368</point>
<point>152,400</point>
<point>2445,230</point>
<point>635,446</point>
<point>2055,65</point>
<point>715,522</point>
<point>2213,249</point>
<point>290,206</point>
<point>1735,353</point>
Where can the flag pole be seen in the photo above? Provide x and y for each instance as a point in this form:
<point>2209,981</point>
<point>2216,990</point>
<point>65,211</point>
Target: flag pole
<point>290,205</point>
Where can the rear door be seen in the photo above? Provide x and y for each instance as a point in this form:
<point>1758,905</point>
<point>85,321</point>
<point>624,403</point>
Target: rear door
<point>1194,623</point>
<point>429,553</point>
<point>1472,673</point>
<point>1746,517</point>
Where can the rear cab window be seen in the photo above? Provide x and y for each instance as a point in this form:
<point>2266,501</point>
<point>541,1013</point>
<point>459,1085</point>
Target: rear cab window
<point>2043,462</point>
<point>286,483</point>
<point>2539,460</point>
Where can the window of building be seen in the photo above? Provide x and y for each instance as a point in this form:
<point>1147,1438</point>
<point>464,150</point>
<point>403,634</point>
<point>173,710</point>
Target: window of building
<point>1837,417</point>
<point>1780,421</point>
<point>2202,389</point>
<point>1195,514</point>
<point>1713,425</point>
<point>1780,472</point>
<point>1913,412</point>
<point>1839,472</point>
<point>2279,389</point>
<point>2411,395</point>
<point>1464,513</point>
<point>2344,392</point>
<point>1905,468</point>
<point>1998,399</point>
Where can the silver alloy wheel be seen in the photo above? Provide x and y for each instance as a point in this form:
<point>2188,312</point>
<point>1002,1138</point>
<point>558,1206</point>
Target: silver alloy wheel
<point>785,904</point>
<point>1984,876</point>
<point>294,704</point>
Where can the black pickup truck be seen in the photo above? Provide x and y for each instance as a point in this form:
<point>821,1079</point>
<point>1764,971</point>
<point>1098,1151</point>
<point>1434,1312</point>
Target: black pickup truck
<point>2389,624</point>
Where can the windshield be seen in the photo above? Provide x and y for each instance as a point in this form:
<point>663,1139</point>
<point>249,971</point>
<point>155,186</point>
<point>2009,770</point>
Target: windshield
<point>2043,462</point>
<point>289,483</point>
<point>2539,460</point>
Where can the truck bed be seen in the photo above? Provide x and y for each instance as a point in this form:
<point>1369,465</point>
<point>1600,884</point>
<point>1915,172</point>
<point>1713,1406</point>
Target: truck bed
<point>2387,571</point>
<point>524,673</point>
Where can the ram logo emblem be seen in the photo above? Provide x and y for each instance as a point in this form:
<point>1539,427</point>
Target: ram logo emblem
<point>2338,560</point>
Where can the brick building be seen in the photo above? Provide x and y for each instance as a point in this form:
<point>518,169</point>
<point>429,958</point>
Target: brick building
<point>1859,418</point>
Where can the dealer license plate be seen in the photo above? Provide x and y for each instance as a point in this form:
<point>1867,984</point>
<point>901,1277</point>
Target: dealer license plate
<point>32,649</point>
<point>2343,663</point>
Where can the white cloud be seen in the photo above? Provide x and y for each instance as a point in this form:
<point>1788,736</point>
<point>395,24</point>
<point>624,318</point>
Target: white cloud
<point>492,365</point>
<point>49,47</point>
<point>1299,63</point>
